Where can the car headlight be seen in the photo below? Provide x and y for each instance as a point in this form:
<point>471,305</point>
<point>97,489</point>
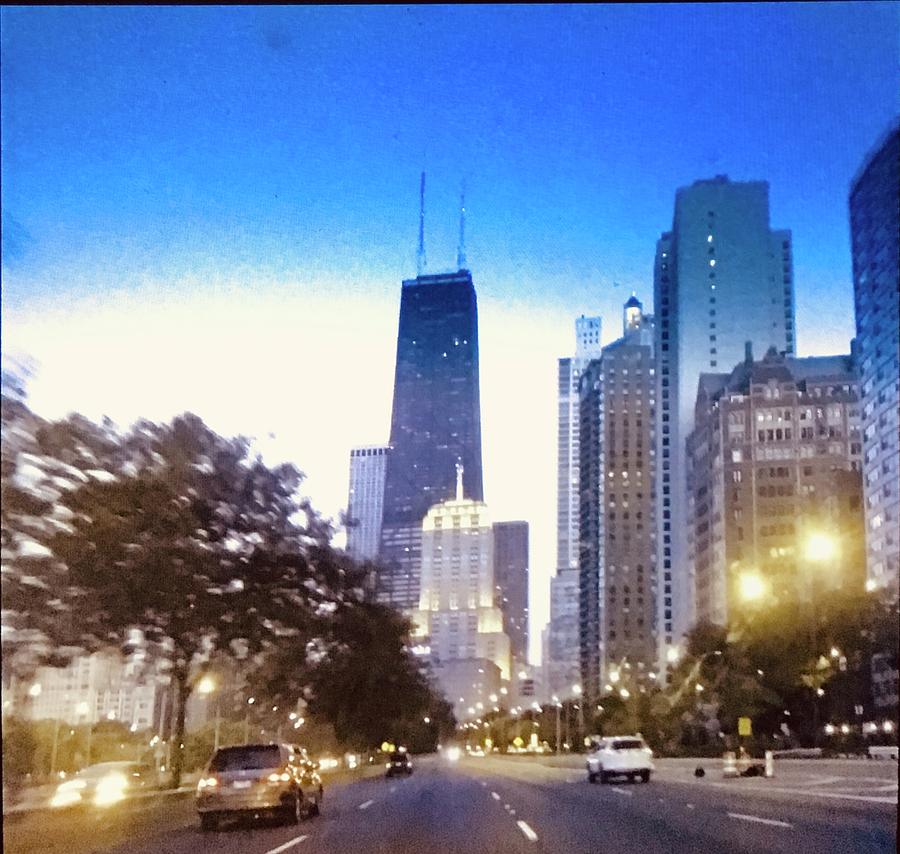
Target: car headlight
<point>110,790</point>
<point>452,754</point>
<point>207,783</point>
<point>283,777</point>
<point>67,793</point>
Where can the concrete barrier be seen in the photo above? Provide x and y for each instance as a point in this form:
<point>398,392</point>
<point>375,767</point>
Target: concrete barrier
<point>883,752</point>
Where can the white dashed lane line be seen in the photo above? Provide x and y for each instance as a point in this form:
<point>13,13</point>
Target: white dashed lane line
<point>495,796</point>
<point>529,833</point>
<point>691,807</point>
<point>619,791</point>
<point>289,844</point>
<point>759,820</point>
<point>366,804</point>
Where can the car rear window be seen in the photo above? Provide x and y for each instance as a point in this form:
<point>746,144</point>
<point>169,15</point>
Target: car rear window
<point>246,758</point>
<point>398,757</point>
<point>628,744</point>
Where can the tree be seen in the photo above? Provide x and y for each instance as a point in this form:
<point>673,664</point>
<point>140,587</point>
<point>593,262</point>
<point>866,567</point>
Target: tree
<point>361,676</point>
<point>199,546</point>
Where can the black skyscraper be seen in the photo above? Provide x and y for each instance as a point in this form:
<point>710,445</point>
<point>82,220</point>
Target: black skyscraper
<point>435,422</point>
<point>511,580</point>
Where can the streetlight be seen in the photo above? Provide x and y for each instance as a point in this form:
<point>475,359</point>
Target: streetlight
<point>83,708</point>
<point>555,700</point>
<point>207,686</point>
<point>819,548</point>
<point>752,587</point>
<point>35,690</point>
<point>576,690</point>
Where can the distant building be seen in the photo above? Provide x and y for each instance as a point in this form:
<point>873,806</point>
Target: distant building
<point>457,618</point>
<point>560,654</point>
<point>511,583</point>
<point>435,422</point>
<point>775,456</point>
<point>94,688</point>
<point>874,229</point>
<point>560,661</point>
<point>472,685</point>
<point>617,574</point>
<point>722,277</point>
<point>366,501</point>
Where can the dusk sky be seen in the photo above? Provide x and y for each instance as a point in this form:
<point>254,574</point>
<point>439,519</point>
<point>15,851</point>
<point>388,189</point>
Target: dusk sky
<point>212,208</point>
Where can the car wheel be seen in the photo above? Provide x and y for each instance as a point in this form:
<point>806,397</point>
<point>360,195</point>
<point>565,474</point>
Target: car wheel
<point>592,777</point>
<point>314,807</point>
<point>645,776</point>
<point>294,812</point>
<point>209,821</point>
<point>604,777</point>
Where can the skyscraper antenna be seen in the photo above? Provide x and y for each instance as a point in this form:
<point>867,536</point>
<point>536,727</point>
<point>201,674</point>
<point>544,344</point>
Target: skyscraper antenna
<point>461,248</point>
<point>420,253</point>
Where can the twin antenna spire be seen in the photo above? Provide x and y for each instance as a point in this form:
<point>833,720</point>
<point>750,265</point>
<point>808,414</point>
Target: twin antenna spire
<point>421,261</point>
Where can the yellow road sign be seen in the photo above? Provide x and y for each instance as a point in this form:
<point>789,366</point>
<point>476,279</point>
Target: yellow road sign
<point>745,727</point>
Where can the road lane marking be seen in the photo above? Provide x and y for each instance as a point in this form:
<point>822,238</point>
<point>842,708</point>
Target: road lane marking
<point>529,833</point>
<point>484,784</point>
<point>783,790</point>
<point>289,844</point>
<point>366,804</point>
<point>495,796</point>
<point>759,820</point>
<point>691,807</point>
<point>622,791</point>
<point>393,788</point>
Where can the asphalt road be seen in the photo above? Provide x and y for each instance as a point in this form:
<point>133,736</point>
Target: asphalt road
<point>508,805</point>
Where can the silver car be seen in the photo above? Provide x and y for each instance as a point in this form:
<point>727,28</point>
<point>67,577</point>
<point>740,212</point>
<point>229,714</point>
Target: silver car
<point>258,779</point>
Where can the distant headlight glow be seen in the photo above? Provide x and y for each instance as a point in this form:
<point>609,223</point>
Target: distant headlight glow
<point>452,754</point>
<point>110,790</point>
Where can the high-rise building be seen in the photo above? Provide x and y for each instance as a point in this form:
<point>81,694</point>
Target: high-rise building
<point>587,347</point>
<point>457,617</point>
<point>774,459</point>
<point>617,573</point>
<point>511,584</point>
<point>874,229</point>
<point>435,422</point>
<point>94,688</point>
<point>561,669</point>
<point>560,661</point>
<point>366,500</point>
<point>722,277</point>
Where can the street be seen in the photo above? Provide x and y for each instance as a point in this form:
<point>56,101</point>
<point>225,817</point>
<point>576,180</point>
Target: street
<point>513,805</point>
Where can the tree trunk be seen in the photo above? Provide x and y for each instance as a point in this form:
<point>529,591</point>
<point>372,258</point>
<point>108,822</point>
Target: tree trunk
<point>182,692</point>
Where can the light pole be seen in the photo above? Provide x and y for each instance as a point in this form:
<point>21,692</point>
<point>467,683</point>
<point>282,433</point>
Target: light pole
<point>820,548</point>
<point>207,686</point>
<point>576,690</point>
<point>558,707</point>
<point>250,702</point>
<point>84,709</point>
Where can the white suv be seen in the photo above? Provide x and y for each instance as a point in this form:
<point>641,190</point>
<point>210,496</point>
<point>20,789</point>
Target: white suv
<point>624,756</point>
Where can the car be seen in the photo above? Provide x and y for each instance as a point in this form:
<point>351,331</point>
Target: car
<point>398,763</point>
<point>104,784</point>
<point>252,780</point>
<point>622,756</point>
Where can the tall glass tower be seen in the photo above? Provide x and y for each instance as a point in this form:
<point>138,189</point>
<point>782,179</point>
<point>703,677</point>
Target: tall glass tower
<point>435,422</point>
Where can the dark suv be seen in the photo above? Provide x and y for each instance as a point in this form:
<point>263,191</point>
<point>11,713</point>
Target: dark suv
<point>399,763</point>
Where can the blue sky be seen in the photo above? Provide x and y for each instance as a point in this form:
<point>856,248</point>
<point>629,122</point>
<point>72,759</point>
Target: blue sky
<point>256,164</point>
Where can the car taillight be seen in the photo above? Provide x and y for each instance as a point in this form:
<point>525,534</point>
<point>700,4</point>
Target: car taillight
<point>207,783</point>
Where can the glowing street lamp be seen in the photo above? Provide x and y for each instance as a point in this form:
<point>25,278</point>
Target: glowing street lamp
<point>752,586</point>
<point>206,686</point>
<point>35,690</point>
<point>820,547</point>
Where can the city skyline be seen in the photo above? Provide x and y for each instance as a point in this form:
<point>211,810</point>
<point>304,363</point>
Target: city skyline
<point>112,252</point>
